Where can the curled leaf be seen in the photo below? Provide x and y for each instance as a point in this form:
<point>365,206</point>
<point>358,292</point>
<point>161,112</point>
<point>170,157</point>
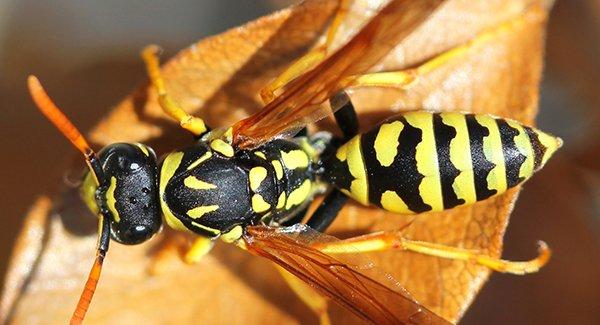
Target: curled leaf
<point>219,79</point>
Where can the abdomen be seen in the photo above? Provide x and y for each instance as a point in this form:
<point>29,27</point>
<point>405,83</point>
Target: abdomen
<point>423,161</point>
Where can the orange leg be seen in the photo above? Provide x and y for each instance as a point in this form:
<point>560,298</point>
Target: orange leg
<point>393,240</point>
<point>169,105</point>
<point>309,60</point>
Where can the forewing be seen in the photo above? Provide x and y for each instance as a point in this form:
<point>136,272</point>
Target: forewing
<point>300,102</point>
<point>380,302</point>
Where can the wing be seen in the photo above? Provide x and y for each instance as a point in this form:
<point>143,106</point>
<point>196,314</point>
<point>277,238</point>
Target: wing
<point>367,298</point>
<point>300,102</point>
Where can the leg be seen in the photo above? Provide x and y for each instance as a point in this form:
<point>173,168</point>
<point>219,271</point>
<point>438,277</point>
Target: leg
<point>393,240</point>
<point>200,247</point>
<point>176,246</point>
<point>307,61</point>
<point>344,114</point>
<point>405,78</point>
<point>327,211</point>
<point>170,107</point>
<point>296,219</point>
<point>346,118</point>
<point>315,301</point>
<point>320,220</point>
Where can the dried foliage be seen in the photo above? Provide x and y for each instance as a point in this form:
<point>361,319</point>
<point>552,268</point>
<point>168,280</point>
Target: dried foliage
<point>219,79</point>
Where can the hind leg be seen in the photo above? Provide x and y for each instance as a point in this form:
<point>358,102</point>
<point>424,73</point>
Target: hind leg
<point>309,60</point>
<point>383,241</point>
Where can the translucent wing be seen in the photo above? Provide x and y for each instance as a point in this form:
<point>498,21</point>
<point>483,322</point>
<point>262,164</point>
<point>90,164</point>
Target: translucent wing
<point>300,102</point>
<point>383,302</point>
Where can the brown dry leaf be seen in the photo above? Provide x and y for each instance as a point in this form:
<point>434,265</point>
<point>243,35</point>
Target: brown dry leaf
<point>219,78</point>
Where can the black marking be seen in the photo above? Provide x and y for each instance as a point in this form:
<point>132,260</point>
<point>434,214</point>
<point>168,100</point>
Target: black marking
<point>333,170</point>
<point>135,194</point>
<point>513,158</point>
<point>326,213</point>
<point>233,194</point>
<point>345,114</point>
<point>538,148</point>
<point>443,135</point>
<point>481,166</point>
<point>402,176</point>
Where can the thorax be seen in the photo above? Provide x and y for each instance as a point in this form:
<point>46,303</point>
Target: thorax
<point>209,188</point>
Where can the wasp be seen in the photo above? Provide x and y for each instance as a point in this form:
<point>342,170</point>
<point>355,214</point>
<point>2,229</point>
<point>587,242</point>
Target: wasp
<point>250,184</point>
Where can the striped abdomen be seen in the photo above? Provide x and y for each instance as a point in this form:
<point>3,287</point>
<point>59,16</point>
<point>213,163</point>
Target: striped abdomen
<point>423,161</point>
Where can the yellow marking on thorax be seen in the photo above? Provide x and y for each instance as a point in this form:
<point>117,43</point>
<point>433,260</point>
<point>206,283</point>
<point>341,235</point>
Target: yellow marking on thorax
<point>430,188</point>
<point>294,159</point>
<point>460,156</point>
<point>351,153</point>
<point>87,191</point>
<point>492,149</point>
<point>281,200</point>
<point>278,169</point>
<point>299,195</point>
<point>228,134</point>
<point>214,231</point>
<point>309,149</point>
<point>197,184</point>
<point>256,176</point>
<point>111,201</point>
<point>550,142</point>
<point>232,235</point>
<point>259,204</point>
<point>198,212</point>
<point>143,148</point>
<point>524,146</point>
<point>200,160</point>
<point>260,154</point>
<point>390,201</point>
<point>222,147</point>
<point>169,166</point>
<point>386,142</point>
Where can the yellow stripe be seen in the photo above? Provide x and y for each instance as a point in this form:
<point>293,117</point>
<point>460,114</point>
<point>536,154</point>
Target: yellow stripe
<point>550,142</point>
<point>492,149</point>
<point>256,176</point>
<point>222,147</point>
<point>281,200</point>
<point>197,184</point>
<point>430,188</point>
<point>111,201</point>
<point>278,169</point>
<point>143,148</point>
<point>392,202</point>
<point>200,160</point>
<point>169,166</point>
<point>351,153</point>
<point>294,159</point>
<point>198,212</point>
<point>87,191</point>
<point>298,195</point>
<point>201,246</point>
<point>386,142</point>
<point>259,204</point>
<point>232,235</point>
<point>260,155</point>
<point>216,232</point>
<point>460,156</point>
<point>524,146</point>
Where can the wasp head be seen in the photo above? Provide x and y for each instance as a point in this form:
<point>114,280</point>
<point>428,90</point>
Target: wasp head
<point>129,193</point>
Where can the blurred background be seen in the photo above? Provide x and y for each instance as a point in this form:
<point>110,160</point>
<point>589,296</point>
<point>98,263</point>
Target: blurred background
<point>86,53</point>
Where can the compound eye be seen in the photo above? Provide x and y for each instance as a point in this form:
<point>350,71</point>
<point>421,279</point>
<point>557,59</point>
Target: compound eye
<point>132,235</point>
